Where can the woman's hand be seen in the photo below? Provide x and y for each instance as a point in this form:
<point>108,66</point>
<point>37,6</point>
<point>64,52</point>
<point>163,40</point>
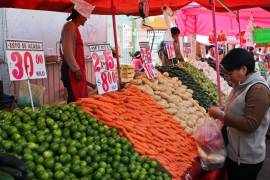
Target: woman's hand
<point>216,113</point>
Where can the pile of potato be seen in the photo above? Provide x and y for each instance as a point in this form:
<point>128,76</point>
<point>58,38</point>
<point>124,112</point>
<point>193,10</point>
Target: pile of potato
<point>176,99</point>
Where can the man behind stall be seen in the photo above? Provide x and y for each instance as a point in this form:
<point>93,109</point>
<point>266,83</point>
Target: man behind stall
<point>162,53</point>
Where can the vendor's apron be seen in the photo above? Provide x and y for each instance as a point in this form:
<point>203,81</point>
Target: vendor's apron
<point>76,89</point>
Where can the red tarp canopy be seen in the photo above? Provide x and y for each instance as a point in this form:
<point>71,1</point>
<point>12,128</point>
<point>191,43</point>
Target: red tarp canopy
<point>129,7</point>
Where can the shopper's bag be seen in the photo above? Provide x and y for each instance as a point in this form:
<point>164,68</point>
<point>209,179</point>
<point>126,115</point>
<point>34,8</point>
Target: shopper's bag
<point>210,144</point>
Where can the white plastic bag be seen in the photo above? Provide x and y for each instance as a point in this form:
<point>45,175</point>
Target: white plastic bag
<point>210,144</point>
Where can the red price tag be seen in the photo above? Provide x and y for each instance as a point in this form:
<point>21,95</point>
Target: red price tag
<point>170,50</point>
<point>25,64</point>
<point>104,68</point>
<point>149,69</point>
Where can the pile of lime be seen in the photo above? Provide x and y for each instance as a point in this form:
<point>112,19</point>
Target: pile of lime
<point>62,142</point>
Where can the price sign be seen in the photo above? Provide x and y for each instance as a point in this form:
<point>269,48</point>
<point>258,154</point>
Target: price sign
<point>262,68</point>
<point>146,57</point>
<point>103,67</point>
<point>170,49</point>
<point>25,60</point>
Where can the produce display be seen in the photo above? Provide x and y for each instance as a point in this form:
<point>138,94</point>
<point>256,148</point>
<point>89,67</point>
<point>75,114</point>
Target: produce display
<point>152,131</point>
<point>212,64</point>
<point>212,75</point>
<point>199,93</point>
<point>62,142</point>
<point>175,98</point>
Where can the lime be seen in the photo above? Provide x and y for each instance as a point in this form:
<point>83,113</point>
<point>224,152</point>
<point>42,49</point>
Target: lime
<point>103,164</point>
<point>146,166</point>
<point>30,165</point>
<point>101,170</point>
<point>151,171</point>
<point>58,166</point>
<point>28,157</point>
<point>125,159</point>
<point>59,175</point>
<point>18,149</point>
<point>32,145</point>
<point>50,122</point>
<point>94,165</point>
<point>118,151</point>
<point>125,175</point>
<point>54,147</point>
<point>30,175</point>
<point>57,133</point>
<point>97,158</point>
<point>39,159</point>
<point>154,164</point>
<point>49,137</point>
<point>66,169</point>
<point>62,150</point>
<point>72,150</point>
<point>49,163</point>
<point>117,157</point>
<point>84,171</point>
<point>44,176</point>
<point>7,145</point>
<point>98,175</point>
<point>66,133</point>
<point>75,169</point>
<point>64,158</point>
<point>82,153</point>
<point>48,154</point>
<point>39,169</point>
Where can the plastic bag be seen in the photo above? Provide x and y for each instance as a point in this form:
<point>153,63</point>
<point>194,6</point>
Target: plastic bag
<point>210,144</point>
<point>24,97</point>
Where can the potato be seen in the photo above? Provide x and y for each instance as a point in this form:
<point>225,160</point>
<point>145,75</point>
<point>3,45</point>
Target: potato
<point>136,81</point>
<point>164,95</point>
<point>147,89</point>
<point>172,110</point>
<point>166,74</point>
<point>156,97</point>
<point>172,105</point>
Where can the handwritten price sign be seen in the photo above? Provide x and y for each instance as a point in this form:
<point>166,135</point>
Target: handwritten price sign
<point>104,68</point>
<point>146,57</point>
<point>170,49</point>
<point>25,60</point>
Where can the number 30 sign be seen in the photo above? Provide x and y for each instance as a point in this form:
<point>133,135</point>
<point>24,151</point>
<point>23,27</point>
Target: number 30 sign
<point>25,60</point>
<point>104,68</point>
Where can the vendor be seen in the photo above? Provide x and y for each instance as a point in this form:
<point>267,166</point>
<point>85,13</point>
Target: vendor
<point>73,72</point>
<point>162,52</point>
<point>246,116</point>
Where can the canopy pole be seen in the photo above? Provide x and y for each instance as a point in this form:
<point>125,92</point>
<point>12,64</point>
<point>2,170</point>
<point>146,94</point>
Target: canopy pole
<point>213,5</point>
<point>239,28</point>
<point>116,45</point>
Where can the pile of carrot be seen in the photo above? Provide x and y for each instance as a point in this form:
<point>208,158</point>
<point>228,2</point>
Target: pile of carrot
<point>152,131</point>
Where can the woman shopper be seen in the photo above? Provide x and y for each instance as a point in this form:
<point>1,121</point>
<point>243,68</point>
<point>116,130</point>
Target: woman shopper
<point>73,72</point>
<point>246,116</point>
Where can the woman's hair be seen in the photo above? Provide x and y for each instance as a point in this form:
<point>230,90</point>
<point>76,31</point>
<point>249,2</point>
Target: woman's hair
<point>74,14</point>
<point>237,58</point>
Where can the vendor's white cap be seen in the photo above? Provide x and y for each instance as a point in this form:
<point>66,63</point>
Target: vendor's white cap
<point>84,8</point>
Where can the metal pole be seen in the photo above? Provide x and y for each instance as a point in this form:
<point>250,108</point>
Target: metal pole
<point>116,45</point>
<point>239,28</point>
<point>216,51</point>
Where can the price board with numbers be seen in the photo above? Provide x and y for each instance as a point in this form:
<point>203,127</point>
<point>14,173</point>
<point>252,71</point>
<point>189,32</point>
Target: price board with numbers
<point>103,61</point>
<point>146,57</point>
<point>170,49</point>
<point>25,60</point>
